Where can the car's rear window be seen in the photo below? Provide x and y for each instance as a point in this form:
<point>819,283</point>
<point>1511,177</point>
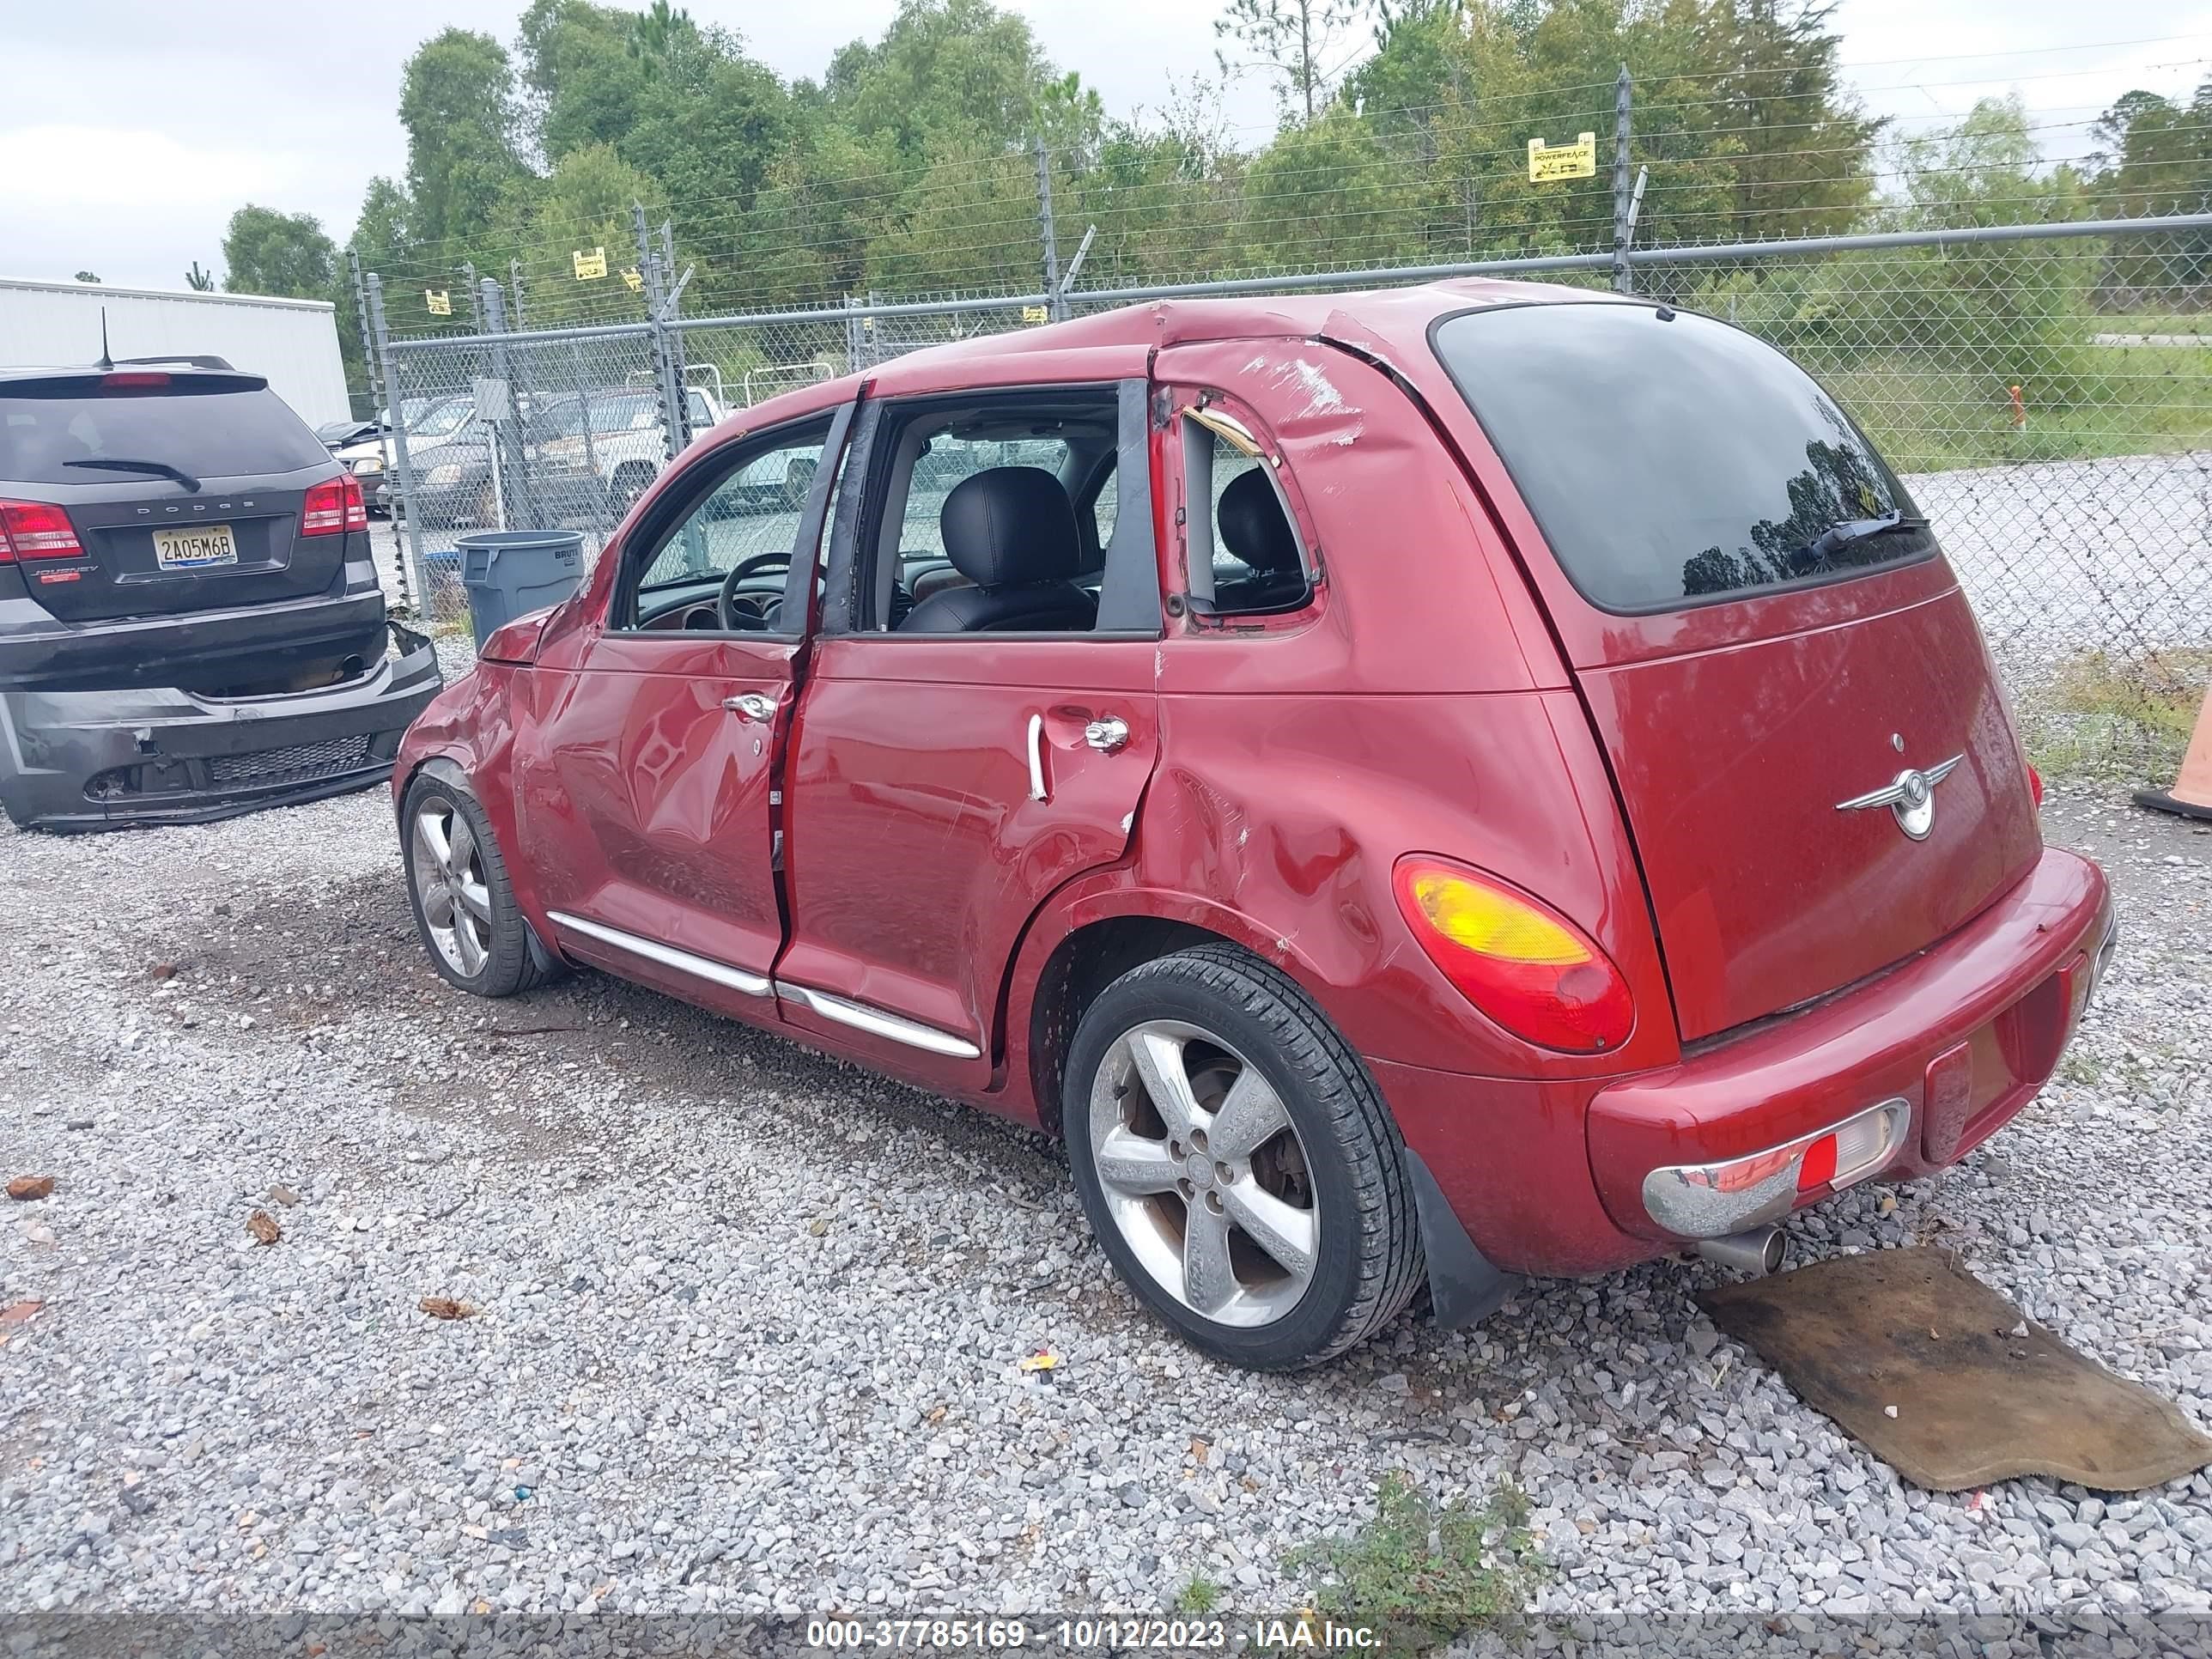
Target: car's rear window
<point>1670,460</point>
<point>210,434</point>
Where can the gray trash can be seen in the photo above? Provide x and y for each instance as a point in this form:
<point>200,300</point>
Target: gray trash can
<point>510,572</point>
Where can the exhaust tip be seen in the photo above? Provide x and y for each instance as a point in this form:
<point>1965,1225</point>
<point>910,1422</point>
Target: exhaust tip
<point>1756,1251</point>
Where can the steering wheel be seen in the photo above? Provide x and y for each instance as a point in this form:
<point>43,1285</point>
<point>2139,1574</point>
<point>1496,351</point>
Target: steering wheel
<point>725,601</point>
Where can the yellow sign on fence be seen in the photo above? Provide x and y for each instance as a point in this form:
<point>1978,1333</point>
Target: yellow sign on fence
<point>1548,162</point>
<point>440,300</point>
<point>592,265</point>
<point>1035,314</point>
<point>633,279</point>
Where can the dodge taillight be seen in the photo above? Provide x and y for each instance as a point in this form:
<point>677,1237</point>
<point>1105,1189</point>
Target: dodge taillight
<point>332,508</point>
<point>1523,963</point>
<point>36,530</point>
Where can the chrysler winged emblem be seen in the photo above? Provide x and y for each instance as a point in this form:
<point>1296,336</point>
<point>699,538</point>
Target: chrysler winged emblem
<point>1911,795</point>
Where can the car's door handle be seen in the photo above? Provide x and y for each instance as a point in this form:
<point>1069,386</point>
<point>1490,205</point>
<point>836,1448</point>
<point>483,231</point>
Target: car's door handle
<point>752,705</point>
<point>1037,791</point>
<point>1107,735</point>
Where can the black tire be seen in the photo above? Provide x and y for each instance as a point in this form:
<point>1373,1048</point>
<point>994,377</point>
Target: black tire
<point>512,962</point>
<point>632,479</point>
<point>1366,1261</point>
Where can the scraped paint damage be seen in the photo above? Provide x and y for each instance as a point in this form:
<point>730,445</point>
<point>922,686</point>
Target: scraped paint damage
<point>1311,381</point>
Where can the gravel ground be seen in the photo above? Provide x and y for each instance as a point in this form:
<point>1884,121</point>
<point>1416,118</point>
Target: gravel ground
<point>747,1320</point>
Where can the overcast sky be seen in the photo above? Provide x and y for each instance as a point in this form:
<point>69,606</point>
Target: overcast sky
<point>129,130</point>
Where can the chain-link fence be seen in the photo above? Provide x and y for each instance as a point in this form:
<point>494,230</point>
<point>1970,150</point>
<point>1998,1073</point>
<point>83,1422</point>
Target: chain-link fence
<point>2045,389</point>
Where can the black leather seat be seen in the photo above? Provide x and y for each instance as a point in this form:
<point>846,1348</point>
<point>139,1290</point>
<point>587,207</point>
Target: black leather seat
<point>1011,531</point>
<point>1254,529</point>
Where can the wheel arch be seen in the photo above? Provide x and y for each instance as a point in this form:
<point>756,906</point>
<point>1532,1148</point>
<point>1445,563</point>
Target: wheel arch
<point>1089,934</point>
<point>1087,939</point>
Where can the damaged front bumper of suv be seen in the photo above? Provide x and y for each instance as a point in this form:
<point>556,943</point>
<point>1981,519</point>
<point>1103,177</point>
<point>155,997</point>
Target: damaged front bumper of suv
<point>78,760</point>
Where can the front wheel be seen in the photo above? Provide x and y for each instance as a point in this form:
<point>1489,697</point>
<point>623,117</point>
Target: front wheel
<point>465,908</point>
<point>1236,1161</point>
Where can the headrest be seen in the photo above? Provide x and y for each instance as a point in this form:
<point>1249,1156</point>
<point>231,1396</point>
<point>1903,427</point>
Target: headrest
<point>1253,526</point>
<point>1011,526</point>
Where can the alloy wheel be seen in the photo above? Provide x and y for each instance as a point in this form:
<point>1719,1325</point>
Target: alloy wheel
<point>1204,1173</point>
<point>449,877</point>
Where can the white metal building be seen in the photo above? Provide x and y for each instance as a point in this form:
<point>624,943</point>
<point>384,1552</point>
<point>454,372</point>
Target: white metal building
<point>294,343</point>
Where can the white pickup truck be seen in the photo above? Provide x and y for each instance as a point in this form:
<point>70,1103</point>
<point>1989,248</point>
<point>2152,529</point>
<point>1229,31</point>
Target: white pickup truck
<point>616,433</point>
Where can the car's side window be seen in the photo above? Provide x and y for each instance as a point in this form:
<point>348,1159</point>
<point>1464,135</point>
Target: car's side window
<point>1104,507</point>
<point>972,522</point>
<point>1259,563</point>
<point>748,520</point>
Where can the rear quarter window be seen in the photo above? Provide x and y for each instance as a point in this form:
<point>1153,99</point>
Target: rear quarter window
<point>1670,460</point>
<point>209,435</point>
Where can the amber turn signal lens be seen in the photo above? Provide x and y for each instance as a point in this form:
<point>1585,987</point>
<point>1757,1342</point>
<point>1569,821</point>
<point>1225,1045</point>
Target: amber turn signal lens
<point>1523,963</point>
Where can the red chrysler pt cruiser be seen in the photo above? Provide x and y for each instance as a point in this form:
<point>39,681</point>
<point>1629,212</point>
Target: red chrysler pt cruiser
<point>1415,788</point>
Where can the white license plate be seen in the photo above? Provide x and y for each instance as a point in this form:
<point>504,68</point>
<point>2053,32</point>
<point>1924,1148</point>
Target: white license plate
<point>195,548</point>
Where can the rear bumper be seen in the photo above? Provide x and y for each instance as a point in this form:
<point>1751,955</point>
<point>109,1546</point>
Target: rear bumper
<point>1954,1042</point>
<point>102,760</point>
<point>1549,1176</point>
<point>200,647</point>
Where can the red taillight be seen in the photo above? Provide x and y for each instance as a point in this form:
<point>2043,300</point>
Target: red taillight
<point>332,508</point>
<point>36,530</point>
<point>2035,786</point>
<point>1523,964</point>
<point>136,379</point>
<point>1819,1168</point>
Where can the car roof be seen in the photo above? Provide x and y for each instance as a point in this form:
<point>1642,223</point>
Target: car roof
<point>1395,317</point>
<point>1395,320</point>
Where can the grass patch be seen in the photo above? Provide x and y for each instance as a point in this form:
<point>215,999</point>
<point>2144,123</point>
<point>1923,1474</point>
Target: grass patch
<point>2110,400</point>
<point>2146,706</point>
<point>1201,1595</point>
<point>2079,1069</point>
<point>1420,1573</point>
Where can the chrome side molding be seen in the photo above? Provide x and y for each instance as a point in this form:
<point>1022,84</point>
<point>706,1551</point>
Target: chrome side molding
<point>861,1018</point>
<point>683,962</point>
<point>858,1015</point>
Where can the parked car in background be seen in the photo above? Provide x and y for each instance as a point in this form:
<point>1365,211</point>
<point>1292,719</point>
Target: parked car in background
<point>190,620</point>
<point>619,436</point>
<point>1616,842</point>
<point>464,482</point>
<point>373,460</point>
<point>336,436</point>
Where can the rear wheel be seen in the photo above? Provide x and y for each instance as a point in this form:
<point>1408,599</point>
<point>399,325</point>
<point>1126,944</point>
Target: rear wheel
<point>1237,1163</point>
<point>465,908</point>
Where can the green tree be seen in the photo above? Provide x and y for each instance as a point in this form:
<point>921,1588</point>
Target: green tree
<point>1983,171</point>
<point>87,276</point>
<point>2155,157</point>
<point>265,252</point>
<point>1162,190</point>
<point>382,235</point>
<point>1326,196</point>
<point>1740,115</point>
<point>1305,46</point>
<point>199,281</point>
<point>457,102</point>
<point>584,203</point>
<point>943,68</point>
